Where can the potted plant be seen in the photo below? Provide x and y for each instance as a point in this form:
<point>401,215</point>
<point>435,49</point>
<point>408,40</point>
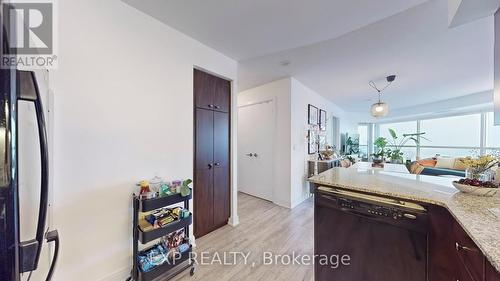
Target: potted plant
<point>397,143</point>
<point>352,145</point>
<point>479,168</point>
<point>380,148</point>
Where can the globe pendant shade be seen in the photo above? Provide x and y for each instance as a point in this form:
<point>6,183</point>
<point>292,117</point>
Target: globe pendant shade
<point>380,109</point>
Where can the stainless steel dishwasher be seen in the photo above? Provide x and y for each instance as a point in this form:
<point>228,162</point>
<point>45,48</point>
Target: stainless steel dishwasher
<point>383,239</point>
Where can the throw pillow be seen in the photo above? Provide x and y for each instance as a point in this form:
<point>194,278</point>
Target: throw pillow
<point>459,165</point>
<point>427,162</point>
<point>445,163</point>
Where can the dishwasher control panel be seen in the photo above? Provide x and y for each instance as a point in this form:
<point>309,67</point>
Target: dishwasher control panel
<point>390,211</point>
<point>374,210</point>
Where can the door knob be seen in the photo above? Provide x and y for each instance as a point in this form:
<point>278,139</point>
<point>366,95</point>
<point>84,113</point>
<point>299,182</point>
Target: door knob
<point>255,155</point>
<point>210,166</point>
<point>216,107</point>
<point>217,164</point>
<point>249,154</point>
<point>211,105</point>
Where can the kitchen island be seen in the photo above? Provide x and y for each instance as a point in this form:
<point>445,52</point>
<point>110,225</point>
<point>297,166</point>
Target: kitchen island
<point>450,212</point>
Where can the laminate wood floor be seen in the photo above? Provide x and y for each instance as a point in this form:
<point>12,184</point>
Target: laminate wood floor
<point>264,227</point>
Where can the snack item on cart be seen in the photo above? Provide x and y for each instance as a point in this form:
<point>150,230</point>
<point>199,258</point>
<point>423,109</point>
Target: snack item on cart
<point>183,247</point>
<point>151,258</point>
<point>144,187</point>
<point>175,239</point>
<point>185,213</point>
<point>165,220</point>
<point>160,217</point>
<point>177,212</point>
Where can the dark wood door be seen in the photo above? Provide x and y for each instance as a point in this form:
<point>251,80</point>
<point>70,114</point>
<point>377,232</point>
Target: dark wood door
<point>490,273</point>
<point>204,142</point>
<point>221,139</point>
<point>221,169</point>
<point>221,98</point>
<point>204,89</point>
<point>203,180</point>
<point>212,165</point>
<point>469,255</point>
<point>442,262</point>
<point>452,253</point>
<point>203,202</point>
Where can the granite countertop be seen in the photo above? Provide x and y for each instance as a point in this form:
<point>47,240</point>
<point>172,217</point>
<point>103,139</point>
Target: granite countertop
<point>472,212</point>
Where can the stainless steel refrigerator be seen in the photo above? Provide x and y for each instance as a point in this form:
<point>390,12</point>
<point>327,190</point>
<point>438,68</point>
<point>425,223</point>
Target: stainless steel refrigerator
<point>16,256</point>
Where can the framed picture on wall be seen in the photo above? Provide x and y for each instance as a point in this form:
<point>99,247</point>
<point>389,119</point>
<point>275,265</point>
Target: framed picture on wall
<point>322,142</point>
<point>312,147</point>
<point>322,120</point>
<point>312,115</point>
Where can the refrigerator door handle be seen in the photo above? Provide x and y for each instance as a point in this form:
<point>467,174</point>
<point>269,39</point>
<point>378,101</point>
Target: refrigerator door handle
<point>30,250</point>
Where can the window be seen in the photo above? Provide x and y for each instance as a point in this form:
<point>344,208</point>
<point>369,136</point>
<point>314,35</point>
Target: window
<point>429,152</point>
<point>454,136</point>
<point>400,128</point>
<point>461,131</point>
<point>363,141</point>
<point>451,136</point>
<point>492,133</point>
<point>410,148</point>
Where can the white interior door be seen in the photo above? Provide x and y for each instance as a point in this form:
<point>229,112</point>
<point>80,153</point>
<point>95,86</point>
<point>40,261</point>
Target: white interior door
<point>256,129</point>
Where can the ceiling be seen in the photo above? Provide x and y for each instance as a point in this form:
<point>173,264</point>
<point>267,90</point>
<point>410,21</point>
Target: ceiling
<point>433,62</point>
<point>244,29</point>
<point>336,47</point>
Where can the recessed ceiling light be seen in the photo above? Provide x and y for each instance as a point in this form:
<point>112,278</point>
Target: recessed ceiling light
<point>285,63</point>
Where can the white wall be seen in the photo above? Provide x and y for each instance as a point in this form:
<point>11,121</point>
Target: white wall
<point>123,112</point>
<point>279,91</point>
<point>302,96</point>
<point>292,99</point>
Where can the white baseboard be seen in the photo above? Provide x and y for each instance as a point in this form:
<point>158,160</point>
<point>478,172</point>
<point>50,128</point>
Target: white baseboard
<point>192,240</point>
<point>233,221</point>
<point>283,204</point>
<point>298,202</point>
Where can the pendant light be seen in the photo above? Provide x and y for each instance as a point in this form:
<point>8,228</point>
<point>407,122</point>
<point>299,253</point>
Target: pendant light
<point>381,109</point>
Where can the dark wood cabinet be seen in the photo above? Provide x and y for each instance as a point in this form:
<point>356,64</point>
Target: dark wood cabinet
<point>203,194</point>
<point>320,166</point>
<point>452,253</point>
<point>211,92</point>
<point>221,169</point>
<point>221,139</point>
<point>441,263</point>
<point>204,140</point>
<point>211,156</point>
<point>461,274</point>
<point>469,255</point>
<point>490,273</point>
<point>221,196</point>
<point>204,89</point>
<point>221,100</point>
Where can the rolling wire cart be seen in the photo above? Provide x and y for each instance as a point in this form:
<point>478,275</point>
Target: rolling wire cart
<point>172,267</point>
